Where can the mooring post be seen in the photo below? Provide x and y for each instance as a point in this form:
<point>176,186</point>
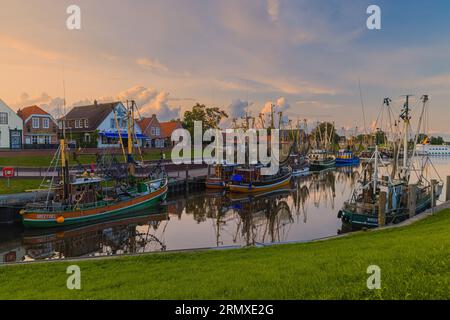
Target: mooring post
<point>412,195</point>
<point>433,194</point>
<point>209,170</point>
<point>447,194</point>
<point>382,209</point>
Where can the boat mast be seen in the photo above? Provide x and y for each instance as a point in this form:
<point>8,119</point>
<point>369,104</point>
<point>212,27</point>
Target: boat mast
<point>130,128</point>
<point>406,121</point>
<point>64,169</point>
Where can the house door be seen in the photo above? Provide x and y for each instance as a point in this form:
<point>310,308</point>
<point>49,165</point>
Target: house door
<point>15,139</point>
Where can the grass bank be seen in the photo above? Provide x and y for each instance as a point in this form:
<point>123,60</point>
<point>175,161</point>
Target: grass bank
<point>18,185</point>
<point>44,160</point>
<point>414,263</point>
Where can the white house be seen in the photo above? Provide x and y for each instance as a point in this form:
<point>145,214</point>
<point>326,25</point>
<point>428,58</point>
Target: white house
<point>11,128</point>
<point>96,125</point>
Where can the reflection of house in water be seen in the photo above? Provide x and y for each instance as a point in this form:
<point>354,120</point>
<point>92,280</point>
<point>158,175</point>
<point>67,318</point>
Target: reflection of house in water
<point>11,249</point>
<point>124,236</point>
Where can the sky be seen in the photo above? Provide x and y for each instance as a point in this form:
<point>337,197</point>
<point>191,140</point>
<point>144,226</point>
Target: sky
<point>307,57</point>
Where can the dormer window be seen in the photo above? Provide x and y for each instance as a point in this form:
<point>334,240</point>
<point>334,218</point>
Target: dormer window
<point>86,123</point>
<point>78,124</point>
<point>35,122</point>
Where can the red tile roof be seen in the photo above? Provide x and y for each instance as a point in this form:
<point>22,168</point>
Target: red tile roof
<point>168,127</point>
<point>26,112</point>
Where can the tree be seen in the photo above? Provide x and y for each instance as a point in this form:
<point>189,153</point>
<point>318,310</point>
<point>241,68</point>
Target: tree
<point>210,117</point>
<point>324,131</point>
<point>437,141</point>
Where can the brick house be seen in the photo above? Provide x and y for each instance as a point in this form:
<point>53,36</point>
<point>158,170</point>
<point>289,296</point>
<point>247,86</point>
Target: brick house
<point>167,128</point>
<point>152,129</point>
<point>40,130</point>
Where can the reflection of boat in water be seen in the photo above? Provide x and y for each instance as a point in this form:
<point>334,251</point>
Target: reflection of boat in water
<point>263,218</point>
<point>127,235</point>
<point>250,180</point>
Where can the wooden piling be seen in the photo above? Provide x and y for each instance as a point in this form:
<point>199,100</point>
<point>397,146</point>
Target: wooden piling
<point>382,209</point>
<point>412,196</point>
<point>433,194</point>
<point>447,194</point>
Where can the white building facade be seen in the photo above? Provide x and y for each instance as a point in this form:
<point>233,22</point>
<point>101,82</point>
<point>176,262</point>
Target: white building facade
<point>11,128</point>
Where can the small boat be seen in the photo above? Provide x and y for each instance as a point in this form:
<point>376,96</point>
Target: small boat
<point>380,199</point>
<point>346,157</point>
<point>321,160</point>
<point>223,174</point>
<point>299,165</point>
<point>250,180</point>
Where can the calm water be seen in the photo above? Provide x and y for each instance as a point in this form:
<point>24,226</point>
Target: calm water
<point>305,211</point>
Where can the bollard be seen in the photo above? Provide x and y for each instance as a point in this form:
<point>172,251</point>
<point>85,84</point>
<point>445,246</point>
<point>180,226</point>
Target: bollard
<point>447,195</point>
<point>412,195</point>
<point>382,209</point>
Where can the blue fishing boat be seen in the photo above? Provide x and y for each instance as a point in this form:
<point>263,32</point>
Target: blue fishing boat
<point>346,157</point>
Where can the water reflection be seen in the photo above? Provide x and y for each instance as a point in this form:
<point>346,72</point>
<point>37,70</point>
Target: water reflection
<point>303,211</point>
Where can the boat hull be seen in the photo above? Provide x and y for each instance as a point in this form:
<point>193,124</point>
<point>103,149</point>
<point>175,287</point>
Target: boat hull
<point>258,188</point>
<point>322,165</point>
<point>347,162</point>
<point>38,219</point>
<point>371,221</point>
<point>212,183</point>
<point>300,172</point>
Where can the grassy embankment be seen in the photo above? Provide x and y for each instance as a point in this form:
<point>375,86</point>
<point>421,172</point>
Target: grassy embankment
<point>414,262</point>
<point>44,160</point>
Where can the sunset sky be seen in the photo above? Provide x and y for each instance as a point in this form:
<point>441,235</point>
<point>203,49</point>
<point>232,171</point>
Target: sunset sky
<point>305,56</point>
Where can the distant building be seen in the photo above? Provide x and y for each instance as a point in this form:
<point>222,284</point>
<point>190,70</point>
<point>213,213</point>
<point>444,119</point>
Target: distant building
<point>99,125</point>
<point>152,129</point>
<point>11,127</point>
<point>40,129</point>
<point>167,128</point>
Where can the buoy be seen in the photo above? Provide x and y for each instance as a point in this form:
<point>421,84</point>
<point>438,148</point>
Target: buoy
<point>22,212</point>
<point>60,220</point>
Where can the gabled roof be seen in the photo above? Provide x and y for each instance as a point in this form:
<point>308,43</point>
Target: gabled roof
<point>167,128</point>
<point>26,112</point>
<point>145,123</point>
<point>95,114</point>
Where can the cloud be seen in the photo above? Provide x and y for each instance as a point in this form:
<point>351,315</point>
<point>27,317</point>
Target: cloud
<point>151,64</point>
<point>150,101</point>
<point>237,108</point>
<point>273,10</point>
<point>33,49</point>
<point>280,105</point>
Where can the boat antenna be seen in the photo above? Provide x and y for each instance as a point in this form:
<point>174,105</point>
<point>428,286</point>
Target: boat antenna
<point>362,105</point>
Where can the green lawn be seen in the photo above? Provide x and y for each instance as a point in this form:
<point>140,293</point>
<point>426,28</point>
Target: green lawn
<point>44,161</point>
<point>414,262</point>
<point>18,185</point>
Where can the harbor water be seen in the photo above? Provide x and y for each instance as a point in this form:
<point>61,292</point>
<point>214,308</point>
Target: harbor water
<point>304,211</point>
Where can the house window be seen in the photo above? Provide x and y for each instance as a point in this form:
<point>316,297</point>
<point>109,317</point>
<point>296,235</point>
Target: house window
<point>34,139</point>
<point>113,123</point>
<point>35,123</point>
<point>78,124</point>
<point>155,131</point>
<point>86,123</point>
<point>47,139</point>
<point>3,118</point>
<point>87,138</point>
<point>45,123</point>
